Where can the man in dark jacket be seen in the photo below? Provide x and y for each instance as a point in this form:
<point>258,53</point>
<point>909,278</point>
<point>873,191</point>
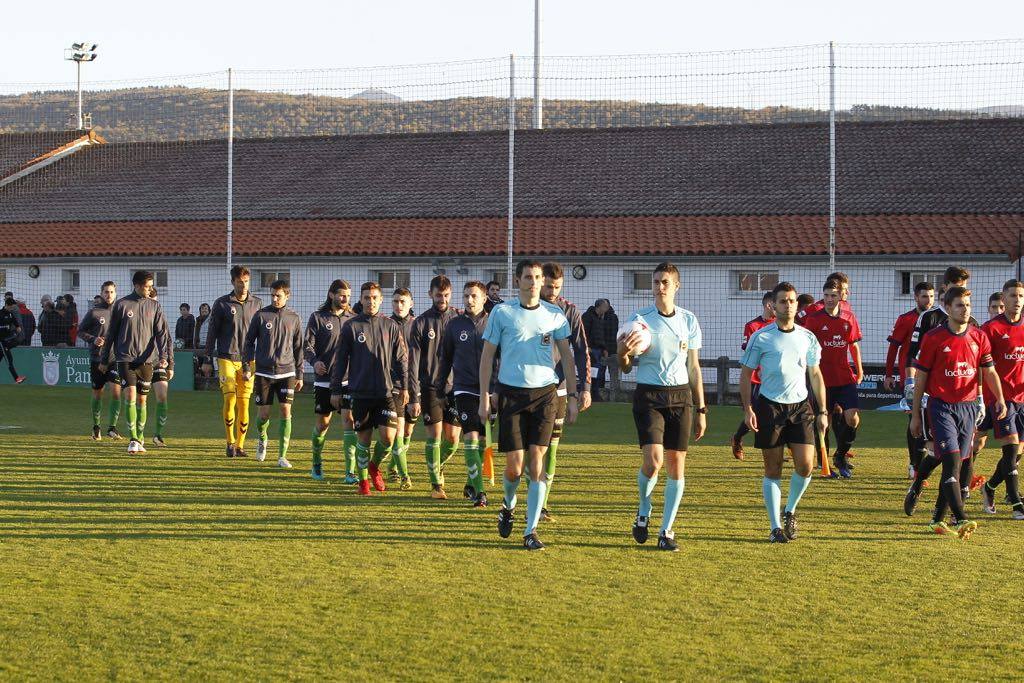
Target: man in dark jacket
<point>10,334</point>
<point>185,328</point>
<point>28,323</point>
<point>51,325</point>
<point>601,324</point>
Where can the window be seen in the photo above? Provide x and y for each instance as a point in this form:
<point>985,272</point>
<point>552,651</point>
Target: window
<point>499,276</point>
<point>754,281</point>
<point>389,280</point>
<point>638,281</point>
<point>70,280</point>
<point>3,278</point>
<point>910,278</point>
<point>268,277</point>
<point>159,278</point>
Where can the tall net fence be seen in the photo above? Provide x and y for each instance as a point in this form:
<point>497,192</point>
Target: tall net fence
<point>745,168</point>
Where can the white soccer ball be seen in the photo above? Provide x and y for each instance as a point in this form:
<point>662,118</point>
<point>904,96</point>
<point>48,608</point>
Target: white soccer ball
<point>636,326</point>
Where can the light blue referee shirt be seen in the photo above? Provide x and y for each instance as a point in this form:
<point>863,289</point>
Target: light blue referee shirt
<point>783,358</point>
<point>672,336</point>
<point>526,337</point>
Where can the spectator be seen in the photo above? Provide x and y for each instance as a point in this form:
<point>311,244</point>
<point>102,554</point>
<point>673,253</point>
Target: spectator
<point>28,323</point>
<point>51,325</point>
<point>185,328</point>
<point>97,301</point>
<point>600,323</point>
<point>202,328</point>
<point>493,295</point>
<point>71,318</point>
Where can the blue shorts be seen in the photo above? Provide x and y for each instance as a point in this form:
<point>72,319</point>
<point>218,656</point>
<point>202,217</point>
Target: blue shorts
<point>950,426</point>
<point>1010,425</point>
<point>845,397</point>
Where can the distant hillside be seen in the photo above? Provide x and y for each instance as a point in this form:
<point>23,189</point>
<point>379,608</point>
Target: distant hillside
<point>179,113</point>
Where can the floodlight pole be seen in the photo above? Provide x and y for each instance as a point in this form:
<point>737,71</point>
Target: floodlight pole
<point>231,165</point>
<point>511,166</point>
<point>831,157</point>
<point>538,103</point>
<point>78,67</point>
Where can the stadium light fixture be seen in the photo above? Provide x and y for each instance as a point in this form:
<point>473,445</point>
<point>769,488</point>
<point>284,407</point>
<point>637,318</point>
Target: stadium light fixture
<point>78,53</point>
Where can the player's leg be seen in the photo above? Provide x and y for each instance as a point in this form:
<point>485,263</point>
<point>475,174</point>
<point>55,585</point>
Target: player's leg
<point>771,488</point>
<point>348,440</point>
<point>323,410</point>
<point>243,394</point>
<point>365,415</point>
<point>742,430</point>
<point>467,407</point>
<point>97,379</point>
<point>678,423</point>
<point>229,396</point>
<point>847,399</point>
<point>9,356</point>
<point>451,432</point>
<point>160,391</point>
<point>928,463</point>
<point>285,389</point>
<point>402,453</point>
<point>263,390</point>
<point>551,456</point>
<point>394,468</point>
<point>128,393</point>
<point>143,385</point>
<point>387,424</point>
<point>1008,432</point>
<point>511,442</point>
<point>432,447</point>
<point>114,407</point>
<point>538,422</point>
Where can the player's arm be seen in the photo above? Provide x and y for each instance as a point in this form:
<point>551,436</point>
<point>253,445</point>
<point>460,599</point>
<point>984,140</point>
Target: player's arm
<point>581,355</point>
<point>858,368</point>
<point>297,349</point>
<point>746,391</point>
<point>995,385</point>
<point>415,341</point>
<point>565,353</point>
<point>446,358</point>
<point>696,390</point>
<point>890,364</point>
<point>817,381</point>
<point>341,358</point>
<point>309,345</point>
<point>627,345</point>
<point>163,336</point>
<point>249,347</point>
<point>922,325</point>
<point>915,413</point>
<point>112,332</point>
<point>400,368</point>
<point>85,328</point>
<point>486,365</point>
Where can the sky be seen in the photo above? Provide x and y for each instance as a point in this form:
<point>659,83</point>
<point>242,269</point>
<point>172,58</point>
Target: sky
<point>146,40</point>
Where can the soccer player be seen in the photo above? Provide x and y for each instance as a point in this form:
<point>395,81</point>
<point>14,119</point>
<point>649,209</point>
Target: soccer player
<point>161,381</point>
<point>838,333</point>
<point>374,356</point>
<point>995,309</point>
<point>94,330</point>
<point>553,280</point>
<point>323,332</point>
<point>424,397</point>
<point>803,301</point>
<point>844,293</point>
<point>136,337</point>
<point>461,348</point>
<point>229,321</point>
<point>948,364</point>
<point>273,345</point>
<point>526,333</point>
<point>761,321</point>
<point>493,295</point>
<point>10,334</point>
<point>896,360</point>
<point>788,356</point>
<point>668,386</point>
<point>401,313</point>
<point>1006,335</point>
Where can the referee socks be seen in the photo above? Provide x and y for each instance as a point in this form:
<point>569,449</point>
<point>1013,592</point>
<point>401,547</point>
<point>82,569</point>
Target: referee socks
<point>646,485</point>
<point>771,489</point>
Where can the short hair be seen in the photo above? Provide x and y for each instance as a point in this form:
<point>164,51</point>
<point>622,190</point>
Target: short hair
<point>475,283</point>
<point>440,283</point>
<point>803,301</point>
<point>833,283</point>
<point>108,283</point>
<point>994,297</point>
<point>666,267</point>
<point>9,301</point>
<point>766,297</point>
<point>185,306</point>
<point>839,275</point>
<point>528,263</point>
<point>369,287</point>
<point>955,274</point>
<point>281,285</point>
<point>141,277</point>
<point>402,291</point>
<point>493,283</point>
<point>238,272</point>
<point>553,270</point>
<point>782,287</point>
<point>1012,284</point>
<point>954,293</point>
<point>923,287</point>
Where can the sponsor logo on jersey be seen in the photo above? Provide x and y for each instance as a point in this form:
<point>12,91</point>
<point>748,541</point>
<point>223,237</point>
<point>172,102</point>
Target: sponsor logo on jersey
<point>1017,355</point>
<point>836,342</point>
<point>963,369</point>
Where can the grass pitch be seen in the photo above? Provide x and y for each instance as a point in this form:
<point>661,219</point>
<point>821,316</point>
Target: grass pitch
<point>184,564</point>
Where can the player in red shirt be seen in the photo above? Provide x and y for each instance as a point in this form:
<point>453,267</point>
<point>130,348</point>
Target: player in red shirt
<point>844,293</point>
<point>766,318</point>
<point>1006,334</point>
<point>896,360</point>
<point>838,332</point>
<point>948,365</point>
<point>995,309</point>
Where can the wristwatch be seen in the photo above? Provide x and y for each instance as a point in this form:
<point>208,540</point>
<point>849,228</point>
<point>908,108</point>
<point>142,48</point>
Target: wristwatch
<point>703,410</point>
<point>820,413</point>
<point>575,395</point>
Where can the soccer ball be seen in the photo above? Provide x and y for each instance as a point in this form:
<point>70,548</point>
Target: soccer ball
<point>636,326</point>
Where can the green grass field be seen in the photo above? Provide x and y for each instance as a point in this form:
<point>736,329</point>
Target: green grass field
<point>184,564</point>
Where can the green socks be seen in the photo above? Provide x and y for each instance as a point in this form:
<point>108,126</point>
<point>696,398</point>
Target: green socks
<point>262,426</point>
<point>447,451</point>
<point>348,443</point>
<point>432,450</point>
<point>96,405</point>
<point>140,428</point>
<point>115,411</point>
<point>363,460</point>
<point>131,414</point>
<point>380,451</point>
<point>161,418</point>
<point>286,436</point>
<point>550,461</point>
<point>319,438</point>
<point>399,453</point>
<point>474,466</point>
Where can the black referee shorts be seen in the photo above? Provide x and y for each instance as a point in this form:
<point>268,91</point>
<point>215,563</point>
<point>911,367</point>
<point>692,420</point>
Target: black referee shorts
<point>783,423</point>
<point>525,417</point>
<point>663,415</point>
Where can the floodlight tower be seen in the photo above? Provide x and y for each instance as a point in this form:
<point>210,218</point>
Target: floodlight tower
<point>78,53</point>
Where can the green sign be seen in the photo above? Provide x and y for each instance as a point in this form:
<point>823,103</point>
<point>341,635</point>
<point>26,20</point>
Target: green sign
<point>70,367</point>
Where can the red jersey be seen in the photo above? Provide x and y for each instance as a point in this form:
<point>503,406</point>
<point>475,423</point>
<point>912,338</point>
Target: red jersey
<point>819,305</point>
<point>836,336</point>
<point>952,362</point>
<point>1007,340</point>
<point>902,331</point>
<point>748,331</point>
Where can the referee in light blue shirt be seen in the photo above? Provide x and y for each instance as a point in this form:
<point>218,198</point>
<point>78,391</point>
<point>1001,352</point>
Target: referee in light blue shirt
<point>526,331</point>
<point>668,386</point>
<point>788,355</point>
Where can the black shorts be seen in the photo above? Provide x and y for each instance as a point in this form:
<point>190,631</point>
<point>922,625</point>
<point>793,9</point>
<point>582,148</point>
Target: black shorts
<point>525,417</point>
<point>783,423</point>
<point>139,376</point>
<point>844,396</point>
<point>265,389</point>
<point>100,379</point>
<point>663,415</point>
<point>322,401</point>
<point>436,408</point>
<point>368,413</point>
<point>468,412</point>
<point>160,375</point>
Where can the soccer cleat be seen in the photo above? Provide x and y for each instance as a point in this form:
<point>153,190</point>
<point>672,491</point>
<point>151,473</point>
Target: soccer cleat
<point>737,447</point>
<point>976,482</point>
<point>480,501</point>
<point>910,502</point>
<point>96,433</point>
<point>531,542</point>
<point>393,476</point>
<point>640,530</point>
<point>965,493</point>
<point>159,442</point>
<point>283,463</point>
<point>940,528</point>
<point>506,520</point>
<point>364,488</point>
<point>778,536</point>
<point>351,478</point>
<point>1018,514</point>
<point>667,541</point>
<point>261,450</point>
<point>845,473</point>
<point>468,492</point>
<point>230,450</point>
<point>545,515</point>
<point>140,447</point>
<point>376,477</point>
<point>437,492</point>
<point>988,501</point>
<point>19,379</point>
<point>112,433</point>
<point>406,484</point>
<point>789,525</point>
<point>133,446</point>
<point>240,453</point>
<point>911,473</point>
<point>317,472</point>
<point>964,528</point>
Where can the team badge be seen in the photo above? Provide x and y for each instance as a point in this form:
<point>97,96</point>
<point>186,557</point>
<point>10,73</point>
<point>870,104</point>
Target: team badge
<point>464,417</point>
<point>546,339</point>
<point>430,334</point>
<point>103,321</point>
<point>463,336</point>
<point>232,309</point>
<point>361,338</point>
<point>270,326</point>
<point>329,326</point>
<point>257,399</point>
<point>682,346</point>
<point>131,314</point>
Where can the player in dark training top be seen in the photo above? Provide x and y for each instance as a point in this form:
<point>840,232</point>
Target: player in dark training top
<point>93,330</point>
<point>401,313</point>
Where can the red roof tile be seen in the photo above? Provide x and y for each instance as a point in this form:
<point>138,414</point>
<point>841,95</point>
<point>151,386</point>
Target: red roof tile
<point>995,235</point>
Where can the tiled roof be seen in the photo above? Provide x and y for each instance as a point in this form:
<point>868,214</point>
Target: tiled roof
<point>995,235</point>
<point>936,167</point>
<point>17,149</point>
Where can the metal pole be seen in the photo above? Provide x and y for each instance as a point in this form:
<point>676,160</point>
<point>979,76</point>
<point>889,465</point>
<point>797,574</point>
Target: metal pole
<point>81,123</point>
<point>511,165</point>
<point>831,157</point>
<point>538,103</point>
<point>231,164</point>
